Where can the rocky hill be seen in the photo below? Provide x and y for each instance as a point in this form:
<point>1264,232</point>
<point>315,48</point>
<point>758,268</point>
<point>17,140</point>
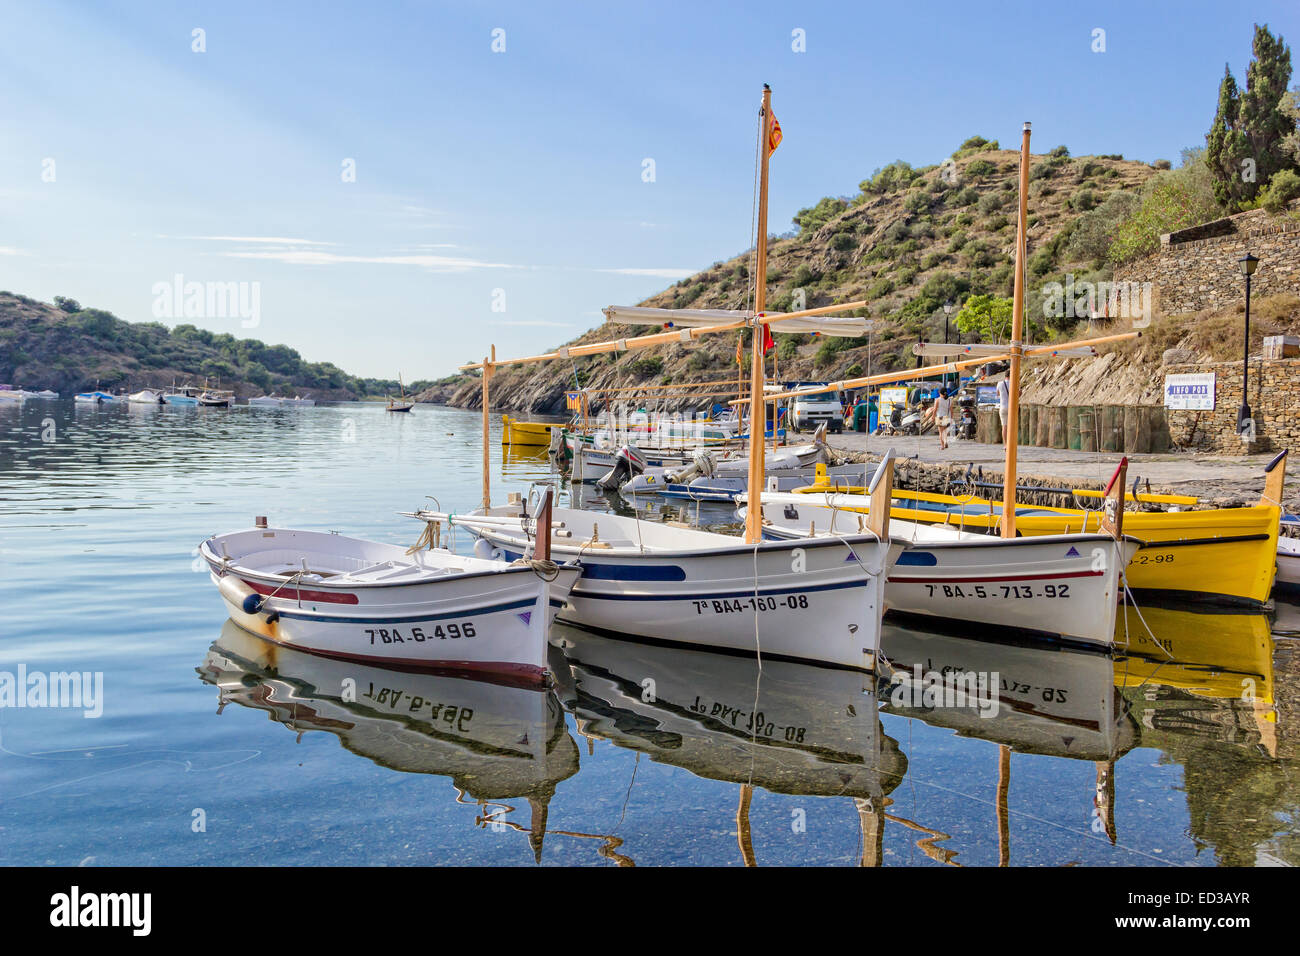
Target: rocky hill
<point>909,241</point>
<point>69,349</point>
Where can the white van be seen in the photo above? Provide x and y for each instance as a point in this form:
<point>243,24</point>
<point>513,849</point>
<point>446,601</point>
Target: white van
<point>809,411</point>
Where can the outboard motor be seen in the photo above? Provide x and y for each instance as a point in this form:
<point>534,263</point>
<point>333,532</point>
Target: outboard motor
<point>702,463</point>
<point>628,463</point>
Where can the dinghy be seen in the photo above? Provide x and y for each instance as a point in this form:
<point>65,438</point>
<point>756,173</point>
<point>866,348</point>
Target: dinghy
<point>381,603</point>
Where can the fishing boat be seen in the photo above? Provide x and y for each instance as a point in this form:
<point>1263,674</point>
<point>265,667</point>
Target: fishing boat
<point>400,405</point>
<point>216,398</point>
<point>95,398</point>
<point>1061,586</point>
<point>265,401</point>
<point>813,600</point>
<point>380,603</point>
<point>12,396</point>
<point>1288,555</point>
<point>1225,556</point>
<point>146,396</point>
<point>516,432</point>
<point>45,393</point>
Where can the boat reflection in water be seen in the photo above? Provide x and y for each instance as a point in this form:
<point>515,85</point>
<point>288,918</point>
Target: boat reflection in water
<point>1026,696</point>
<point>495,742</point>
<point>797,729</point>
<point>1203,689</point>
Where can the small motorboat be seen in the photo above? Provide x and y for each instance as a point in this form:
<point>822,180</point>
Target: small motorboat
<point>515,432</point>
<point>146,396</point>
<point>216,399</point>
<point>95,398</point>
<point>381,603</point>
<point>297,402</point>
<point>266,401</point>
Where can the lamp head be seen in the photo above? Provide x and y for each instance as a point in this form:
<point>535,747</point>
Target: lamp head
<point>1247,264</point>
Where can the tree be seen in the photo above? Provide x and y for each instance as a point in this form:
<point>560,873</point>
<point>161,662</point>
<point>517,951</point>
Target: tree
<point>1248,141</point>
<point>990,316</point>
<point>66,304</point>
<point>1174,200</point>
<point>817,216</point>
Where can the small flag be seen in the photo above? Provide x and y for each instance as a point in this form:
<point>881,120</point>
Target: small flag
<point>773,134</point>
<point>740,349</point>
<point>768,342</point>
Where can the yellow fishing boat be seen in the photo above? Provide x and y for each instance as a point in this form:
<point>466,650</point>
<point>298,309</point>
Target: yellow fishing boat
<point>515,432</point>
<point>1221,555</point>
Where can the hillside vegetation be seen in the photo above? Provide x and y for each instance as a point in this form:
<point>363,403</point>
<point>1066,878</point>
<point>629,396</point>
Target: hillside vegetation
<point>70,349</point>
<point>909,241</point>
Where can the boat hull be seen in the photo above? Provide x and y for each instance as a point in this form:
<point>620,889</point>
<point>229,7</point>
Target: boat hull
<point>515,432</point>
<point>816,601</point>
<point>492,622</point>
<point>1063,586</point>
<point>1223,556</point>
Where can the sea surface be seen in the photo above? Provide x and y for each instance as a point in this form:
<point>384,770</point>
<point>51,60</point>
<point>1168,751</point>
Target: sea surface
<point>211,748</point>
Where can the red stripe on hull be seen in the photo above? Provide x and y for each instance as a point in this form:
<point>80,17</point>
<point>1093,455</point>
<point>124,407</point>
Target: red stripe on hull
<point>292,594</point>
<point>1015,577</point>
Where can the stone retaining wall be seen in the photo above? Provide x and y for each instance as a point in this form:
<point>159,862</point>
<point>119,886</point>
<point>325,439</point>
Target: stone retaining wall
<point>1197,268</point>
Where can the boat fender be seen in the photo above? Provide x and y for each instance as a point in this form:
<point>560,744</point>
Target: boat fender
<point>234,590</point>
<point>483,549</point>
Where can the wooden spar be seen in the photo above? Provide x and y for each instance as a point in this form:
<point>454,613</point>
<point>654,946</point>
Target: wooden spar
<point>884,378</point>
<point>1274,480</point>
<point>487,374</point>
<point>1010,433</point>
<point>757,407</point>
<point>882,491</point>
<point>667,338</point>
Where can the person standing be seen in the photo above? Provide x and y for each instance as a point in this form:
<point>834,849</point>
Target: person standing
<point>1004,405</point>
<point>943,417</point>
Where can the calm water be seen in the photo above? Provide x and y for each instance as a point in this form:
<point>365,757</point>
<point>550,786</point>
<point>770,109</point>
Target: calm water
<point>215,748</point>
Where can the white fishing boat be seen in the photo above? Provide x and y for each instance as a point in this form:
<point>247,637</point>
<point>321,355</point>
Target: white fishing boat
<point>216,398</point>
<point>298,402</point>
<point>816,600</point>
<point>146,396</point>
<point>266,401</point>
<point>1062,586</point>
<point>46,393</point>
<point>185,395</point>
<point>378,603</point>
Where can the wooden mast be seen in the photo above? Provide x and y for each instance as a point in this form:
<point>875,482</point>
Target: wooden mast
<point>1017,348</point>
<point>757,407</point>
<point>487,462</point>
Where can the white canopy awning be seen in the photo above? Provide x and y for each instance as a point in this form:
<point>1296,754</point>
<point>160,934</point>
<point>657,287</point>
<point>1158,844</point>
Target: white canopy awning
<point>844,327</point>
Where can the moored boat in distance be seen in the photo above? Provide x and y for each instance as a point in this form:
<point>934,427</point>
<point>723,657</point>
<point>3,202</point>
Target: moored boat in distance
<point>516,432</point>
<point>146,396</point>
<point>96,398</point>
<point>216,398</point>
<point>376,603</point>
<point>402,404</point>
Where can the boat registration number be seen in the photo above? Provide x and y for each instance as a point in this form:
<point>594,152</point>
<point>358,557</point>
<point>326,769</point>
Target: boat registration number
<point>1010,592</point>
<point>793,602</point>
<point>439,632</point>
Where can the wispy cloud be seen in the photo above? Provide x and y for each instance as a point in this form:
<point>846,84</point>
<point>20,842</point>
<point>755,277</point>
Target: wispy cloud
<point>313,257</point>
<point>11,251</point>
<point>270,240</point>
<point>541,323</point>
<point>658,273</point>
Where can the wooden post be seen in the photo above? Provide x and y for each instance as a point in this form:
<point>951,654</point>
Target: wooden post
<point>1012,429</point>
<point>487,462</point>
<point>1004,790</point>
<point>1114,524</point>
<point>757,409</point>
<point>743,833</point>
<point>542,541</point>
<point>882,493</point>
<point>1274,481</point>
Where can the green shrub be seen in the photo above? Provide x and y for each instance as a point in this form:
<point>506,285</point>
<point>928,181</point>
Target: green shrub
<point>1282,188</point>
<point>1060,152</point>
<point>1083,200</point>
<point>1162,164</point>
<point>990,203</point>
<point>815,217</point>
<point>966,196</point>
<point>843,241</point>
<point>854,370</point>
<point>979,168</point>
<point>897,175</point>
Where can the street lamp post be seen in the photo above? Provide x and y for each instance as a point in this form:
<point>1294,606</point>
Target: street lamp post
<point>947,314</point>
<point>1247,264</point>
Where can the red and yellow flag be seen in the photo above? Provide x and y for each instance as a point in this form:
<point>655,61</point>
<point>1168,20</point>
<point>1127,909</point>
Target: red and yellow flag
<point>740,349</point>
<point>773,134</point>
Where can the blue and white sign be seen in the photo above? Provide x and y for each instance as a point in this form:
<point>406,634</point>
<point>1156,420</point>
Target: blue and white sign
<point>1191,391</point>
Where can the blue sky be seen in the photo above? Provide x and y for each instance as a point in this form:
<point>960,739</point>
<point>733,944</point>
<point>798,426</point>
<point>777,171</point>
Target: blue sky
<point>521,171</point>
